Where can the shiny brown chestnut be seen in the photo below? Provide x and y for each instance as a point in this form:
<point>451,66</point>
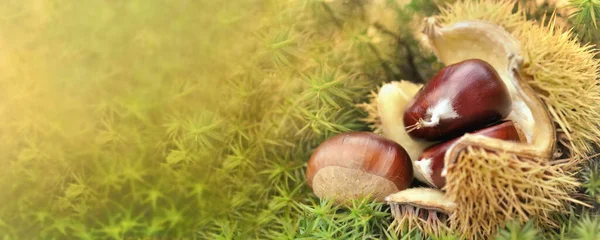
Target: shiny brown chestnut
<point>431,162</point>
<point>358,164</point>
<point>461,97</point>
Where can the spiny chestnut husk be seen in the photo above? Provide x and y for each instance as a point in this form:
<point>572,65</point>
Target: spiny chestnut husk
<point>431,162</point>
<point>461,97</point>
<point>358,164</point>
<point>491,180</point>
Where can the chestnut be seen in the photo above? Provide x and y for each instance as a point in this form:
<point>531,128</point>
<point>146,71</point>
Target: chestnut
<point>431,162</point>
<point>461,97</point>
<point>358,164</point>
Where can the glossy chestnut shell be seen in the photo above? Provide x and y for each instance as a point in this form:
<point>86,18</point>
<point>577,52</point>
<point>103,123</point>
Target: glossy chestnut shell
<point>461,97</point>
<point>351,165</point>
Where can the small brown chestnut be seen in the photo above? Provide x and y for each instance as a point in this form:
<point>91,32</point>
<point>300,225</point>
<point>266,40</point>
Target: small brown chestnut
<point>431,162</point>
<point>358,164</point>
<point>461,97</point>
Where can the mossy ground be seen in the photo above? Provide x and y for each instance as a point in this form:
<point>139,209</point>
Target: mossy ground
<point>192,119</point>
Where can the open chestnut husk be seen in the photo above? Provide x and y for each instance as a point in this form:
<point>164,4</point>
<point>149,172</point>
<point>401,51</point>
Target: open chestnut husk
<point>552,80</point>
<point>358,164</point>
<point>490,180</point>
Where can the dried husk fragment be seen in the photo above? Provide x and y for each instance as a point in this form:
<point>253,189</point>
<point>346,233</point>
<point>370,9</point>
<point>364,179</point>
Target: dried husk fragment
<point>426,209</point>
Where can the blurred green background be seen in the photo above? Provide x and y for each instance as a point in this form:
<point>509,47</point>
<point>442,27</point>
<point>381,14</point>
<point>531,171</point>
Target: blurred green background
<point>167,119</point>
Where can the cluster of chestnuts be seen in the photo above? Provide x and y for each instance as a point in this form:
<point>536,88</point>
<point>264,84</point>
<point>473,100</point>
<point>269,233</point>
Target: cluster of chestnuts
<point>465,97</point>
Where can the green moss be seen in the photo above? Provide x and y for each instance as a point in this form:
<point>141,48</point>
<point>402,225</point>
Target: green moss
<point>591,180</point>
<point>585,17</point>
<point>515,231</point>
<point>176,119</point>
